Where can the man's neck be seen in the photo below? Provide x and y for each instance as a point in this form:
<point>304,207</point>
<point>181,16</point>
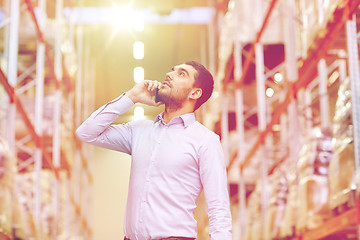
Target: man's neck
<point>171,113</point>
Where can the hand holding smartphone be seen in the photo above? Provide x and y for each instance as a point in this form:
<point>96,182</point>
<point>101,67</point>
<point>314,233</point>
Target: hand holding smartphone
<point>157,97</point>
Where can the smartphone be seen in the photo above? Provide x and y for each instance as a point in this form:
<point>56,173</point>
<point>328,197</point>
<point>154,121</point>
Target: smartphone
<point>157,97</point>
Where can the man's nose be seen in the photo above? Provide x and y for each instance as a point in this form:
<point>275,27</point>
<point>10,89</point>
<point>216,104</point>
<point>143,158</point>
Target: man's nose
<point>169,76</point>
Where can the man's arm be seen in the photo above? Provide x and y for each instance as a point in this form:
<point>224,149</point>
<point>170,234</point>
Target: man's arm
<point>97,129</point>
<point>214,180</point>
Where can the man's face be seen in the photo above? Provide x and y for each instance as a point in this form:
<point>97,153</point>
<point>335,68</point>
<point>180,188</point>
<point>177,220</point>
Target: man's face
<point>178,85</point>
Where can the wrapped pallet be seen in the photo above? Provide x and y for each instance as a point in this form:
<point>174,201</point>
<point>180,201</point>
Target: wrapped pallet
<point>7,172</point>
<point>313,18</point>
<point>11,218</point>
<point>278,197</point>
<point>25,183</point>
<point>291,211</point>
<point>342,164</point>
<point>313,165</point>
<point>28,100</point>
<point>253,221</point>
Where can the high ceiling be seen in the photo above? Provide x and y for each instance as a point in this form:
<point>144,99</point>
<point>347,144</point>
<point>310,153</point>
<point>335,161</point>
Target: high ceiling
<point>165,46</point>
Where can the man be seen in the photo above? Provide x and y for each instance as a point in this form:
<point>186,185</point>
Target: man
<point>173,157</point>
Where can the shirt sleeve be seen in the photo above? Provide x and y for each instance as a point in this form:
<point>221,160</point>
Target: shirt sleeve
<point>214,180</point>
<point>99,131</point>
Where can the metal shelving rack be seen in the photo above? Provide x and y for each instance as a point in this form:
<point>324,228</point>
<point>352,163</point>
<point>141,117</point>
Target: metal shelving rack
<point>72,172</point>
<point>299,76</point>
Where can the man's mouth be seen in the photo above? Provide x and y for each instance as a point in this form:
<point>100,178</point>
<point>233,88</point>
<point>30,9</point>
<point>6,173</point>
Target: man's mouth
<point>166,84</point>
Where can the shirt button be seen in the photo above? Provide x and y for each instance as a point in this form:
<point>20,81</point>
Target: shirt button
<point>148,180</point>
<point>141,220</point>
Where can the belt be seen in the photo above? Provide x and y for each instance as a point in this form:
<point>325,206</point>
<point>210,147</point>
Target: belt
<point>169,238</point>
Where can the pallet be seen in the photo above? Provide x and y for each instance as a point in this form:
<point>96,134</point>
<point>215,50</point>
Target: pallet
<point>346,205</point>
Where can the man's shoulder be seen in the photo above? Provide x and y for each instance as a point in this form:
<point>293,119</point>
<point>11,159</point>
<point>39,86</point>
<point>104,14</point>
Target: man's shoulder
<point>204,131</point>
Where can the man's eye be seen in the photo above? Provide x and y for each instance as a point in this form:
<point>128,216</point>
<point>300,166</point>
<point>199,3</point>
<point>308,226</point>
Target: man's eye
<point>181,74</point>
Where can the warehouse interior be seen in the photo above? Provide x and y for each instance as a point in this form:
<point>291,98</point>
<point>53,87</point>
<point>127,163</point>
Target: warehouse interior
<point>286,106</point>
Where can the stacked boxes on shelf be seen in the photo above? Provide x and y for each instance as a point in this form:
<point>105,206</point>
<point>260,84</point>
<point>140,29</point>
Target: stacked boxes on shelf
<point>313,167</point>
<point>342,165</point>
<point>308,189</point>
<point>41,199</point>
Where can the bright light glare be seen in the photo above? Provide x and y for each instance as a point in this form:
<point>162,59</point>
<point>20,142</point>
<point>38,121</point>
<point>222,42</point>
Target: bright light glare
<point>121,17</point>
<point>139,74</point>
<point>269,92</point>
<point>318,132</point>
<point>138,50</point>
<point>278,77</point>
<point>139,113</point>
<point>138,21</point>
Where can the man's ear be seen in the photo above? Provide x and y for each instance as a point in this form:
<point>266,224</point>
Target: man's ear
<point>196,93</point>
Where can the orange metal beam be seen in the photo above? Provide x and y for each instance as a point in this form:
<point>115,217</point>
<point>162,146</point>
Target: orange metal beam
<point>334,225</point>
<point>38,140</point>
<point>251,53</point>
<point>78,212</point>
<point>49,60</point>
<point>239,82</point>
<point>83,161</point>
<point>228,72</point>
<point>308,70</point>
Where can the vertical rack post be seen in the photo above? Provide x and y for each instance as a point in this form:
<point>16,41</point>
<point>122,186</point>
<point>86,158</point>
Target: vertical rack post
<point>261,106</point>
<point>323,92</point>
<point>203,47</point>
<point>12,54</point>
<point>69,208</point>
<point>39,108</point>
<point>308,111</point>
<point>212,37</point>
<point>57,113</point>
<point>77,172</point>
<point>225,126</point>
<point>353,57</point>
<point>352,46</point>
<point>239,107</point>
<point>86,99</point>
<point>291,77</point>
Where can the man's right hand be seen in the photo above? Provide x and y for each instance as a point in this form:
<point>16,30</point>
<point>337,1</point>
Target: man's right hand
<point>144,92</point>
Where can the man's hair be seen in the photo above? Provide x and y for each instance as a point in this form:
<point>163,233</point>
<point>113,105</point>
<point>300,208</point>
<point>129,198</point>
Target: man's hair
<point>203,80</point>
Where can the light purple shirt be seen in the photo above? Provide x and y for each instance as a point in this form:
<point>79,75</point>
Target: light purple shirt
<point>171,163</point>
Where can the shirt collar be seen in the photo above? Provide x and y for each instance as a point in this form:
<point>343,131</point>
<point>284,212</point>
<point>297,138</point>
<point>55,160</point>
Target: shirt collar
<point>185,119</point>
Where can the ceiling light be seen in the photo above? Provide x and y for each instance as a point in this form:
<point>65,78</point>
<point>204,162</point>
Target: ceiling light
<point>278,77</point>
<point>138,21</point>
<point>269,92</point>
<point>138,50</point>
<point>121,16</point>
<point>139,74</point>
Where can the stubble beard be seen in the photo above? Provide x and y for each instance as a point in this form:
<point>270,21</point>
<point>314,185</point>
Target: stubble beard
<point>170,101</point>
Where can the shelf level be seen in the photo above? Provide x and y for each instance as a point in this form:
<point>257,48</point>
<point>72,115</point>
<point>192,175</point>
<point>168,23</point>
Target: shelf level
<point>335,225</point>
